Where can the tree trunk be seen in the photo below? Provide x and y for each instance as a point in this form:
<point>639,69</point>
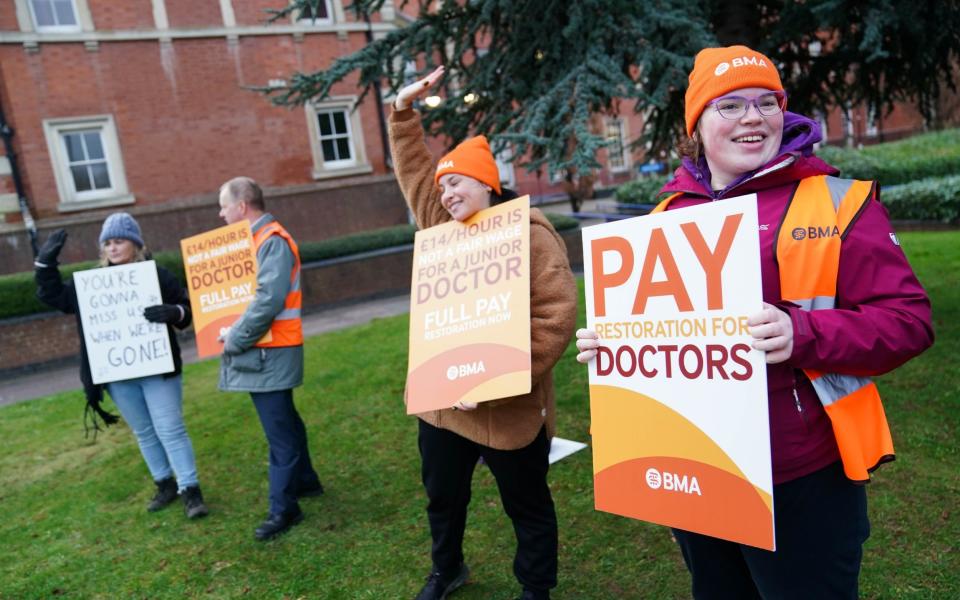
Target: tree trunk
<point>737,22</point>
<point>578,188</point>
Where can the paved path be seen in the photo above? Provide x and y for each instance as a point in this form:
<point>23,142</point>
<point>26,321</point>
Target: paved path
<point>61,379</point>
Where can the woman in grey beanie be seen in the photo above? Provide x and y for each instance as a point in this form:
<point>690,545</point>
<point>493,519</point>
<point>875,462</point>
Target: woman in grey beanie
<point>153,405</point>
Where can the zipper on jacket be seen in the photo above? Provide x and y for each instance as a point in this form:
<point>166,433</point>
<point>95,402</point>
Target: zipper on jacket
<point>796,401</point>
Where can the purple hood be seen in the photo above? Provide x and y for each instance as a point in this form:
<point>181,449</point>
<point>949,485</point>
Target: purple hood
<point>800,133</point>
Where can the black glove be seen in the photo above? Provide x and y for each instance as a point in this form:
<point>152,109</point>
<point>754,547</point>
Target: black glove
<point>163,313</point>
<point>51,248</point>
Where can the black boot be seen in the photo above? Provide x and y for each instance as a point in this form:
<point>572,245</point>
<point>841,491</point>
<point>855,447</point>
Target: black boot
<point>440,585</point>
<point>166,493</point>
<point>277,524</point>
<point>193,505</point>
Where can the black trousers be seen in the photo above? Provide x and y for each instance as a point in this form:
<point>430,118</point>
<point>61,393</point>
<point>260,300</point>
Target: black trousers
<point>448,461</point>
<point>820,522</point>
<point>290,467</point>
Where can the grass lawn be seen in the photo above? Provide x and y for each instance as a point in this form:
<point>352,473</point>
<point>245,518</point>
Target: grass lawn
<point>74,523</point>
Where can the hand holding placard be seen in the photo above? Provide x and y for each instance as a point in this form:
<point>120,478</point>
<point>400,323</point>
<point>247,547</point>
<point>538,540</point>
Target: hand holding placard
<point>121,343</point>
<point>163,313</point>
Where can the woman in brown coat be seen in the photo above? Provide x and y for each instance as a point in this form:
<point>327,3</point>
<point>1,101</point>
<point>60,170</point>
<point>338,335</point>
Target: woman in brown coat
<point>512,435</point>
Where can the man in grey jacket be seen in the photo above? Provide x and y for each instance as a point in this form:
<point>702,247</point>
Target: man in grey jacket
<point>263,355</point>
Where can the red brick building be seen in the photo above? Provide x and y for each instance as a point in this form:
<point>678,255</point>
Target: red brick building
<point>147,106</point>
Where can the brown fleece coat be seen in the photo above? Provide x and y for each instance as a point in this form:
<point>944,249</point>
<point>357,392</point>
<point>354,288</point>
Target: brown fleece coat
<point>508,423</point>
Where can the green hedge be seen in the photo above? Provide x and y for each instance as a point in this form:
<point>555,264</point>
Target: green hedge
<point>562,222</point>
<point>640,191</point>
<point>919,157</point>
<point>356,243</point>
<point>18,290</point>
<point>932,199</point>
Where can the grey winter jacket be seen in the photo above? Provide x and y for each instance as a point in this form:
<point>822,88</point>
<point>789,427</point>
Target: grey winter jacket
<point>244,367</point>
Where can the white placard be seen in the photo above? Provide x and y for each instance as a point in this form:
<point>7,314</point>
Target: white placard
<point>561,448</point>
<point>121,343</point>
<point>678,397</point>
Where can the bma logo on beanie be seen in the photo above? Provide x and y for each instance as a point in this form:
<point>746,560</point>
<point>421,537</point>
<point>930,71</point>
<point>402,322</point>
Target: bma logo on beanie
<point>473,159</point>
<point>719,71</point>
<point>739,62</point>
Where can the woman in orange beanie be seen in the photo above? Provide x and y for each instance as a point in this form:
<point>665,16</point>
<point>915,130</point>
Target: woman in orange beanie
<point>827,429</point>
<point>512,435</point>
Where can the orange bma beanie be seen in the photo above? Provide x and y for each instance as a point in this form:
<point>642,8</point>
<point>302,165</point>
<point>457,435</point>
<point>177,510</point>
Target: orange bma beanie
<point>472,157</point>
<point>717,71</point>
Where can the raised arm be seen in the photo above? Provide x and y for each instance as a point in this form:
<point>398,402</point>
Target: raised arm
<point>51,290</point>
<point>412,161</point>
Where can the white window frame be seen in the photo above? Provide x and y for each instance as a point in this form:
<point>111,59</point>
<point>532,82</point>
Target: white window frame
<point>77,26</point>
<point>871,129</point>
<point>505,170</point>
<point>556,177</point>
<point>821,117</point>
<point>70,199</point>
<point>621,124</point>
<point>846,122</point>
<point>358,163</point>
<point>28,22</point>
<point>330,20</point>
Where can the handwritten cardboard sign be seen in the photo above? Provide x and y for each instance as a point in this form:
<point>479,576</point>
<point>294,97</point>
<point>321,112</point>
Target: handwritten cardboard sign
<point>470,309</point>
<point>678,397</point>
<point>120,342</point>
<point>221,268</point>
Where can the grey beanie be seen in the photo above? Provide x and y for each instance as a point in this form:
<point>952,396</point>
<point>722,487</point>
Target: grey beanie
<point>120,225</point>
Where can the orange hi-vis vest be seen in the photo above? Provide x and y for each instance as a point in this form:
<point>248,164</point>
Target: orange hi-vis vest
<point>808,253</point>
<point>287,328</point>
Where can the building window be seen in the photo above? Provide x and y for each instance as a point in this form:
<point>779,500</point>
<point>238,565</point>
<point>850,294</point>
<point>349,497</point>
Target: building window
<point>616,151</point>
<point>821,118</point>
<point>87,161</point>
<point>87,164</point>
<point>336,138</point>
<point>846,123</point>
<point>54,15</point>
<point>504,159</point>
<point>872,129</point>
<point>556,177</point>
<point>319,13</point>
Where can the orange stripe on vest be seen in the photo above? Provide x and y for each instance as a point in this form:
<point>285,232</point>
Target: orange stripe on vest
<point>808,251</point>
<point>285,330</point>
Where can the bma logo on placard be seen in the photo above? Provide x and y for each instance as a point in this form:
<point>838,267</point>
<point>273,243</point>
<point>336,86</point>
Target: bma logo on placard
<point>672,482</point>
<point>465,370</point>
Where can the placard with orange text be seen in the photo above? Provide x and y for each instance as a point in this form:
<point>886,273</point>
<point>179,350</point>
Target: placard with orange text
<point>678,397</point>
<point>221,269</point>
<point>470,309</point>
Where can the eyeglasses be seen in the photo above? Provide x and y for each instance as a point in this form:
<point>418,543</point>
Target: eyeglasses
<point>735,107</point>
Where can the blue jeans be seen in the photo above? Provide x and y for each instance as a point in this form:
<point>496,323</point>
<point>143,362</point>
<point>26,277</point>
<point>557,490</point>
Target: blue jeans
<point>153,407</point>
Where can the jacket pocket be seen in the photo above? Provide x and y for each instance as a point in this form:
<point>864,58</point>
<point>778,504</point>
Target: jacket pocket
<point>250,361</point>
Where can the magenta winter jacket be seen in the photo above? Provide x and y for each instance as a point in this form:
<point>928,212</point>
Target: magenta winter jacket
<point>882,317</point>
